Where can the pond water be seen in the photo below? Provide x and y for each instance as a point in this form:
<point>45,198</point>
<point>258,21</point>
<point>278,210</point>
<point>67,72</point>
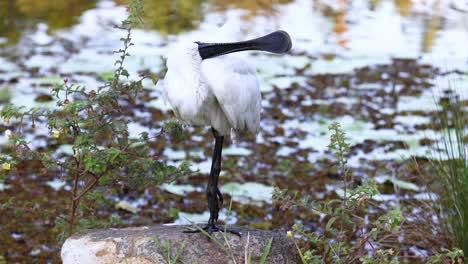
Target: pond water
<point>378,67</point>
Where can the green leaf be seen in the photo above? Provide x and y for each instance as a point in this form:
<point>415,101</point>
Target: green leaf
<point>125,73</point>
<point>330,223</point>
<point>124,205</point>
<point>266,251</point>
<point>114,153</point>
<point>402,184</point>
<point>168,251</point>
<point>179,251</point>
<point>300,254</point>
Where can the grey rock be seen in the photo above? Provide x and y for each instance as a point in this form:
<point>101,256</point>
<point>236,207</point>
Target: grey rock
<point>137,245</point>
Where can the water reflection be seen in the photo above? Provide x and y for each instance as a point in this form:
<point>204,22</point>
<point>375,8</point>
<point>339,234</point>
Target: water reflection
<point>432,25</point>
<point>19,15</point>
<point>403,7</point>
<point>253,8</point>
<point>340,23</point>
<point>175,16</point>
<point>171,16</point>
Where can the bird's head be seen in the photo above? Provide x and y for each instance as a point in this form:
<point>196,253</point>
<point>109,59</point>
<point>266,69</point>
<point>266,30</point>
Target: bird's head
<point>277,42</point>
<point>183,53</point>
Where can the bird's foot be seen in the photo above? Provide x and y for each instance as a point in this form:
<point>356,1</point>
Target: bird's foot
<point>211,228</point>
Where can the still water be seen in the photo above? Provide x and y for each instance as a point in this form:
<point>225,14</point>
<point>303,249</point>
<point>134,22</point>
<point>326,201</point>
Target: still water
<point>375,66</point>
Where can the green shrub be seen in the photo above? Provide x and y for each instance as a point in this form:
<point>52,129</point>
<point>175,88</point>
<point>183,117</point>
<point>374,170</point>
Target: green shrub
<point>103,154</point>
<point>346,236</point>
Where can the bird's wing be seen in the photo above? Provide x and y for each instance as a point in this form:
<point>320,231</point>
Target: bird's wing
<point>183,86</point>
<point>235,84</point>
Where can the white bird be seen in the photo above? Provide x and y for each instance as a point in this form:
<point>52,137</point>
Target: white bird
<point>207,86</point>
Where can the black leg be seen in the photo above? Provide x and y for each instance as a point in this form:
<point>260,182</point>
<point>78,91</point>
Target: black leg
<point>213,194</point>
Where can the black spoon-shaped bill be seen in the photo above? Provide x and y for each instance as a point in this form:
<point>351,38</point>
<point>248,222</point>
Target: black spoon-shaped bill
<point>277,42</point>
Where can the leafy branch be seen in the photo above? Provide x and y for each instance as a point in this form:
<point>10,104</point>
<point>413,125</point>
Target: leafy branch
<point>92,121</point>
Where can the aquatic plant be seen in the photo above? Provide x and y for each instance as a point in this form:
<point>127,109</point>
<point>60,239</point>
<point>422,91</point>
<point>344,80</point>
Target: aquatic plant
<point>103,157</point>
<point>450,163</point>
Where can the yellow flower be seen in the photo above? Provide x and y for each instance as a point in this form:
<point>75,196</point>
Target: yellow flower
<point>289,234</point>
<point>6,166</point>
<point>56,134</point>
<point>6,120</point>
<point>75,155</point>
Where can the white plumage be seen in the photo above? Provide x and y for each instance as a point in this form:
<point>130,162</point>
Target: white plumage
<point>207,88</point>
<point>222,92</point>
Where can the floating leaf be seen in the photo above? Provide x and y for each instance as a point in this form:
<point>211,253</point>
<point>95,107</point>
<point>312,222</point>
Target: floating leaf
<point>401,184</point>
<point>124,205</point>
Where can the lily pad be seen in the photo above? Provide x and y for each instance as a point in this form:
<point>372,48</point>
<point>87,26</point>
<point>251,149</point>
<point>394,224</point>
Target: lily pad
<point>174,154</point>
<point>55,184</point>
<point>126,206</point>
<point>397,182</point>
<point>3,186</point>
<point>236,151</point>
<point>244,192</point>
<point>188,218</point>
<point>5,94</point>
<point>178,189</point>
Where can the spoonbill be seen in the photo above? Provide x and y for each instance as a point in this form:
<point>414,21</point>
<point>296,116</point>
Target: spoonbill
<point>208,86</point>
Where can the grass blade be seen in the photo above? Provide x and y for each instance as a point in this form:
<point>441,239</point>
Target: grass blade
<point>168,251</point>
<point>179,251</point>
<point>266,251</point>
<point>300,253</point>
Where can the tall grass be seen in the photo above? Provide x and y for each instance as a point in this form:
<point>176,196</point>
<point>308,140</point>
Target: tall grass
<point>450,165</point>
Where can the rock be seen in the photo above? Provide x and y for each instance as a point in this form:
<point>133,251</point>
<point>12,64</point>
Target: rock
<point>137,245</point>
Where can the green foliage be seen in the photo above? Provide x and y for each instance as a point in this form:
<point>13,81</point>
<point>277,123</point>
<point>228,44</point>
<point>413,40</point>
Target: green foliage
<point>380,256</point>
<point>5,94</point>
<point>167,250</point>
<point>104,156</point>
<point>339,147</point>
<point>174,127</point>
<point>447,256</point>
<point>451,167</point>
<point>226,246</point>
<point>346,237</point>
<point>266,251</point>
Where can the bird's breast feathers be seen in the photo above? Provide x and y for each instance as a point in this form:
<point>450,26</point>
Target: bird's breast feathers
<point>222,92</point>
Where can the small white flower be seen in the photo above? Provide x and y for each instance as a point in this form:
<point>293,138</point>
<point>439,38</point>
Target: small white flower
<point>8,134</point>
